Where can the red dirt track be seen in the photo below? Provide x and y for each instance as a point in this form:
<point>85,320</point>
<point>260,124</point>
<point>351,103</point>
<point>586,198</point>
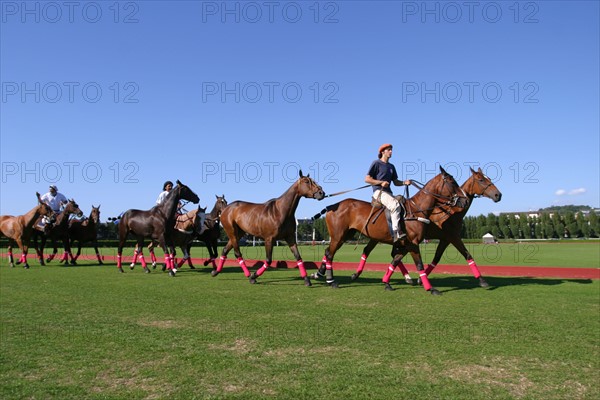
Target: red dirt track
<point>533,272</point>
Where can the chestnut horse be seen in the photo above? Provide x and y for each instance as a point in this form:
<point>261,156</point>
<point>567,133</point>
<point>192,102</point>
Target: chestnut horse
<point>20,229</point>
<point>58,231</point>
<point>273,220</point>
<point>157,224</point>
<point>84,231</point>
<point>186,227</point>
<point>351,215</point>
<point>477,185</point>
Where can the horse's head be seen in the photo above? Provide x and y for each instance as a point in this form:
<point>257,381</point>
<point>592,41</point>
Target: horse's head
<point>447,191</point>
<point>95,214</point>
<point>199,220</point>
<point>185,193</point>
<point>72,208</point>
<point>220,204</point>
<point>309,188</point>
<point>481,185</point>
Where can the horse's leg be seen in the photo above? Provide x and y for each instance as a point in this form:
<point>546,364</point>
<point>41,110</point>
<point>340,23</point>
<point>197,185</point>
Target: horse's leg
<point>300,263</point>
<point>439,251</point>
<point>98,256</point>
<point>136,252</point>
<point>151,247</point>
<point>222,259</point>
<point>23,248</point>
<point>140,246</point>
<point>416,255</point>
<point>38,251</point>
<point>396,261</point>
<point>267,263</point>
<point>11,261</point>
<point>363,258</point>
<point>460,246</point>
<point>123,232</point>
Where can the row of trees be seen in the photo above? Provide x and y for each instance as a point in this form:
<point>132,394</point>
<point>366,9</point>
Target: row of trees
<point>549,225</point>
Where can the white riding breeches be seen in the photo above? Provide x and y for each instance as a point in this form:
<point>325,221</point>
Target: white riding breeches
<point>391,204</point>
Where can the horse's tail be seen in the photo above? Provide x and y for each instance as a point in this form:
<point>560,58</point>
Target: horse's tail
<point>331,207</point>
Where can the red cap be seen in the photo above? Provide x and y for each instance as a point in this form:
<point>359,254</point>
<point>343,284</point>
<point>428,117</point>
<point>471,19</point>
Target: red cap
<point>384,146</point>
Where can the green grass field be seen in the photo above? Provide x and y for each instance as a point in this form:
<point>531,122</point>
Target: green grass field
<point>90,332</point>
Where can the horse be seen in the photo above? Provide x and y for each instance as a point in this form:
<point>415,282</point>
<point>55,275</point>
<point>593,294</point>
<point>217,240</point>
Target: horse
<point>157,224</point>
<point>20,229</point>
<point>59,230</point>
<point>348,216</point>
<point>272,220</point>
<point>449,231</point>
<point>211,234</point>
<point>85,231</point>
<point>186,227</point>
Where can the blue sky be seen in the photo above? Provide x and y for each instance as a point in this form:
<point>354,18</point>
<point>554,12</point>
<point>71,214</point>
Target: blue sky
<point>108,100</point>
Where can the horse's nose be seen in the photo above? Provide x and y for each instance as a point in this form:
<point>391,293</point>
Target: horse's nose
<point>498,197</point>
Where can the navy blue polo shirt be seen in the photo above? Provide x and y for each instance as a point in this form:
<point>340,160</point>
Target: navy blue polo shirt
<point>382,172</point>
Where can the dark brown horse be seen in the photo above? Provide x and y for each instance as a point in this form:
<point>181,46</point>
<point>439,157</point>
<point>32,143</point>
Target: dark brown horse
<point>477,185</point>
<point>156,224</point>
<point>211,234</point>
<point>273,220</point>
<point>351,215</point>
<point>20,229</point>
<point>58,231</point>
<point>186,227</point>
<point>84,231</point>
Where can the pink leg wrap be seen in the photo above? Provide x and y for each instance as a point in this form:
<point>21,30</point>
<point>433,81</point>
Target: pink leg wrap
<point>65,257</point>
<point>168,262</point>
<point>429,268</point>
<point>262,269</point>
<point>361,265</point>
<point>10,256</point>
<point>244,268</point>
<point>181,262</point>
<point>152,256</point>
<point>135,256</point>
<point>425,280</point>
<point>388,274</point>
<point>221,263</point>
<point>119,260</point>
<point>51,256</point>
<point>300,264</point>
<point>474,268</point>
<point>142,260</point>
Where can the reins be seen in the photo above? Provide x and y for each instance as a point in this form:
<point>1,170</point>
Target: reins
<point>347,191</point>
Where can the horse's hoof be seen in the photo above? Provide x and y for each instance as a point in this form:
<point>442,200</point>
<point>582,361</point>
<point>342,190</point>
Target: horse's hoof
<point>252,280</point>
<point>73,262</point>
<point>11,265</point>
<point>26,266</point>
<point>153,265</point>
<point>419,282</point>
<point>100,263</point>
<point>307,282</point>
<point>483,283</point>
<point>171,273</point>
<point>146,270</point>
<point>334,285</point>
<point>253,276</point>
<point>206,263</point>
<point>354,277</point>
<point>409,281</point>
<point>435,292</point>
<point>48,259</point>
<point>121,270</point>
<point>164,268</point>
<point>389,287</point>
<point>214,273</point>
<point>192,267</point>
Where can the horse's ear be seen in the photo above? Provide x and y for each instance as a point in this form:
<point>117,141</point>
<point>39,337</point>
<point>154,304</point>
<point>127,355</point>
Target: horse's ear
<point>38,197</point>
<point>217,197</point>
<point>178,182</point>
<point>301,176</point>
<point>443,171</point>
<point>472,170</point>
<point>479,170</point>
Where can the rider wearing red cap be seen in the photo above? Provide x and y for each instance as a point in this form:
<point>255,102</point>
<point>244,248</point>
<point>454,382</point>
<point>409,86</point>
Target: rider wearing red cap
<point>380,175</point>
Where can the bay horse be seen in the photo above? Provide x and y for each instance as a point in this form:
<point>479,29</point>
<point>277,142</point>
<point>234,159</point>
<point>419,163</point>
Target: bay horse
<point>272,220</point>
<point>351,215</point>
<point>211,234</point>
<point>84,231</point>
<point>58,231</point>
<point>19,229</point>
<point>449,231</point>
<point>157,224</point>
<point>186,227</point>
